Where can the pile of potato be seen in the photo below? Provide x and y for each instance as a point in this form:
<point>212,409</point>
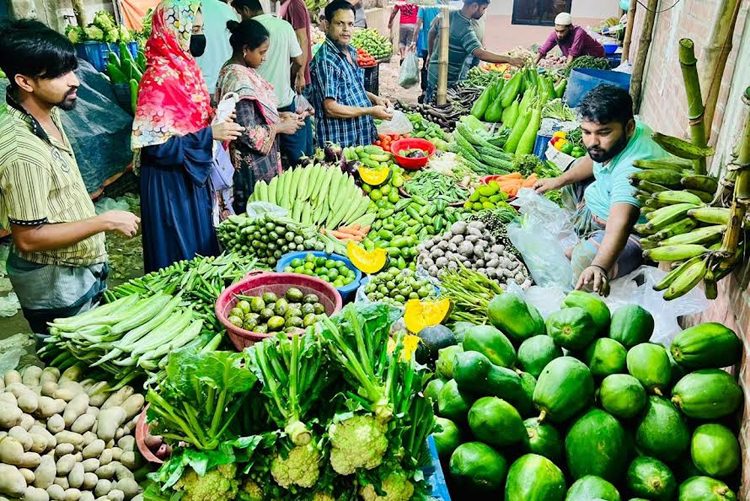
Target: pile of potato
<point>65,439</point>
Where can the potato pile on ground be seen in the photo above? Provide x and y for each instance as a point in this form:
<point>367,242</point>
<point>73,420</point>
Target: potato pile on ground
<point>61,439</point>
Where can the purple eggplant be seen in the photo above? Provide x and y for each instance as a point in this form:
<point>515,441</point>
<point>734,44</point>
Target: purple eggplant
<point>333,152</point>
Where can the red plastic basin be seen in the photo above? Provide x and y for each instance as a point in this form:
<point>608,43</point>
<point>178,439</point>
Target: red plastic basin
<point>259,282</point>
<point>411,143</point>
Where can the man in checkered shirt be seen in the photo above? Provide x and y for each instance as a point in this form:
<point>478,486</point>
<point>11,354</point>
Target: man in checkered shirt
<point>345,111</point>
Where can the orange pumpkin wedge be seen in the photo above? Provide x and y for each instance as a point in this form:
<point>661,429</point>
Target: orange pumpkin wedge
<point>366,261</point>
<point>420,313</point>
<point>374,177</point>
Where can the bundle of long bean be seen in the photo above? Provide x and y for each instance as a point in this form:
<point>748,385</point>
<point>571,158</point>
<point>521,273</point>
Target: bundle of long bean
<point>432,185</point>
<point>199,281</point>
<point>470,294</point>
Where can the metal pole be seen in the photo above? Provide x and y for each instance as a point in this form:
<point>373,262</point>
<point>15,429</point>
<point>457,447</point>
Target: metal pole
<point>442,82</point>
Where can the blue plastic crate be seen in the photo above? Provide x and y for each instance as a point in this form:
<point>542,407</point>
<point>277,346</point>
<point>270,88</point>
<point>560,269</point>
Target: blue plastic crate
<point>96,53</point>
<point>434,474</point>
<point>583,80</point>
<point>540,146</point>
<point>347,292</point>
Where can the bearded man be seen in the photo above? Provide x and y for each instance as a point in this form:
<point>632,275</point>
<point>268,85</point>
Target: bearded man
<point>598,187</point>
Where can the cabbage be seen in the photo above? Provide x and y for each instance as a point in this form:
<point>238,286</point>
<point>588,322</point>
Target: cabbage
<point>93,33</point>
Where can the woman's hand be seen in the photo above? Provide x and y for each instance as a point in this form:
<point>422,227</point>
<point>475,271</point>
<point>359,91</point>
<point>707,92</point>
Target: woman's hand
<point>227,131</point>
<point>290,124</point>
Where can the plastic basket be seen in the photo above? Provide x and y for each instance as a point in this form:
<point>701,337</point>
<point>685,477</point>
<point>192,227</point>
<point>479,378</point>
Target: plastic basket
<point>96,52</point>
<point>372,79</point>
<point>610,48</point>
<point>540,146</point>
<point>347,291</point>
<point>258,282</point>
<point>407,144</point>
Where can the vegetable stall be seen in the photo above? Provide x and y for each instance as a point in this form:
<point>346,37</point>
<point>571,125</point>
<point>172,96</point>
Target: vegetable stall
<point>364,335</point>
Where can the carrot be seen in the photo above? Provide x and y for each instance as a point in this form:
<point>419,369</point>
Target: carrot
<point>366,229</point>
<point>347,229</point>
<point>339,234</point>
<point>512,175</point>
<point>355,226</point>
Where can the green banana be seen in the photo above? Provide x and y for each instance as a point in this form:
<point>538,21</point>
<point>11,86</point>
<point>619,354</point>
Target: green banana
<point>705,196</point>
<point>701,183</point>
<point>670,277</point>
<point>649,243</point>
<point>663,176</point>
<point>679,227</point>
<point>659,219</point>
<point>674,252</point>
<point>710,215</point>
<point>649,187</point>
<point>681,148</point>
<point>686,280</point>
<point>676,197</point>
<point>703,236</point>
<point>671,163</point>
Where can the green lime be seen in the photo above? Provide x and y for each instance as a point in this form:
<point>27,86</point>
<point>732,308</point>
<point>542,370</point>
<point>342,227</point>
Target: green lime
<point>320,261</point>
<point>299,269</point>
<point>367,188</point>
<point>393,196</point>
<point>397,181</point>
<point>330,263</point>
<point>333,273</point>
<point>309,266</point>
<point>476,206</point>
<point>376,195</point>
<point>288,269</point>
<point>310,257</point>
<point>385,189</point>
<point>296,262</point>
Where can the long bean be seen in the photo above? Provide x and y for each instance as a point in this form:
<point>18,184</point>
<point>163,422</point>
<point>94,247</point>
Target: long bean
<point>432,185</point>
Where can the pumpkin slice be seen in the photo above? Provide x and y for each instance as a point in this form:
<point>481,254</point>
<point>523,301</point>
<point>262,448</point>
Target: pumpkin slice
<point>366,261</point>
<point>421,314</point>
<point>374,177</point>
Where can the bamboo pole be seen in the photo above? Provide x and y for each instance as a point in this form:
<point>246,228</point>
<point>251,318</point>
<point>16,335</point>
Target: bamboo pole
<point>716,53</point>
<point>442,81</point>
<point>628,31</point>
<point>644,44</point>
<point>80,11</point>
<point>689,67</point>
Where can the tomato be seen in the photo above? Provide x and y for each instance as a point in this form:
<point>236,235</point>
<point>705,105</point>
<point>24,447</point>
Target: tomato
<point>377,143</point>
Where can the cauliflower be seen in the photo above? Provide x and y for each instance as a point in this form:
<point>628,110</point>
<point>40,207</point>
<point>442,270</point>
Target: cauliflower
<point>93,33</point>
<point>75,34</point>
<point>322,496</point>
<point>125,35</point>
<point>396,487</point>
<point>219,483</point>
<point>104,20</point>
<point>357,442</point>
<point>300,468</point>
<point>251,491</point>
<point>112,35</point>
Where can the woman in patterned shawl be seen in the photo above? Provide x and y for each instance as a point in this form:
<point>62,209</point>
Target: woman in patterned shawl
<point>255,154</point>
<point>173,140</point>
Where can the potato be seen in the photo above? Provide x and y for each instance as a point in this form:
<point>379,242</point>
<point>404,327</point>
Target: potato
<point>75,477</point>
<point>71,438</point>
<point>62,482</point>
<point>12,482</point>
<point>64,449</point>
<point>98,394</point>
<point>31,376</point>
<point>106,472</point>
<point>71,374</point>
<point>68,392</point>
<point>20,434</point>
<point>56,492</point>
<point>10,415</point>
<point>103,486</point>
<point>55,423</point>
<point>36,494</point>
<point>87,496</point>
<point>28,475</point>
<point>65,464</point>
<point>39,443</point>
<point>86,384</point>
<point>116,453</point>
<point>116,495</point>
<point>89,481</point>
<point>122,471</point>
<point>12,452</point>
<point>49,374</point>
<point>105,457</point>
<point>27,421</point>
<point>130,459</point>
<point>83,423</point>
<point>133,405</point>
<point>118,397</point>
<point>127,443</point>
<point>11,377</point>
<point>75,408</point>
<point>72,494</point>
<point>38,429</point>
<point>45,473</point>
<point>78,456</point>
<point>121,432</point>
<point>108,421</point>
<point>9,398</point>
<point>92,410</point>
<point>90,465</point>
<point>48,407</point>
<point>49,388</point>
<point>138,497</point>
<point>94,449</point>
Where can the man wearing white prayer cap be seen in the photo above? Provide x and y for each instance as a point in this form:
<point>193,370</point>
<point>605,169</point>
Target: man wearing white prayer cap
<point>573,40</point>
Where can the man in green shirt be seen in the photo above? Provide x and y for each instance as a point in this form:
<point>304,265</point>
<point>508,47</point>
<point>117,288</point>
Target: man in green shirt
<point>462,42</point>
<point>58,261</point>
<point>604,199</point>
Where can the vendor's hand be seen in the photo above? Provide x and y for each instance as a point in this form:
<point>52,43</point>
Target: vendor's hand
<point>598,277</point>
<point>299,82</point>
<point>519,62</point>
<point>546,184</point>
<point>227,131</point>
<point>121,221</point>
<point>380,112</point>
<point>385,103</point>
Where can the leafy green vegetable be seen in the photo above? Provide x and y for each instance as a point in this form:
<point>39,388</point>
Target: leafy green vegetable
<point>597,63</point>
<point>558,110</point>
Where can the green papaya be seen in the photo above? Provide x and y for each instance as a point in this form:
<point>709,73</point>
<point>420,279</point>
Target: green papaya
<point>526,405</point>
<point>594,306</point>
<point>453,403</point>
<point>534,478</point>
<point>444,363</point>
<point>432,390</point>
<point>477,467</point>
<point>649,364</point>
<point>470,370</point>
<point>475,374</point>
<point>707,394</point>
<point>572,328</point>
<point>715,450</point>
<point>678,371</point>
<point>595,445</point>
<point>564,388</point>
<point>536,352</point>
<point>543,439</point>
<point>631,325</point>
<point>707,346</point>
<point>592,487</point>
<point>605,356</point>
<point>622,396</point>
<point>508,385</point>
<point>480,106</point>
<point>663,432</point>
<point>652,479</point>
<point>447,438</point>
<point>492,343</point>
<point>515,317</point>
<point>705,489</point>
<point>495,422</point>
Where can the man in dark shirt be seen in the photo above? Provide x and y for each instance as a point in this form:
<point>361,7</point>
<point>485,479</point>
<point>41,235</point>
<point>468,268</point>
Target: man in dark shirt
<point>573,40</point>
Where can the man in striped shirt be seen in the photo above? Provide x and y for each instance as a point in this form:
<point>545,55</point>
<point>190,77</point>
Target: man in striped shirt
<point>58,261</point>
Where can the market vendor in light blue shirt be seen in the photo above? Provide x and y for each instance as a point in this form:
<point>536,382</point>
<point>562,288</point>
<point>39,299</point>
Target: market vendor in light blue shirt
<point>599,188</point>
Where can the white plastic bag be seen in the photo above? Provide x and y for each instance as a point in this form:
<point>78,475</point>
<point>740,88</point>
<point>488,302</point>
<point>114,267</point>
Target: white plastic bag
<point>409,76</point>
<point>399,124</point>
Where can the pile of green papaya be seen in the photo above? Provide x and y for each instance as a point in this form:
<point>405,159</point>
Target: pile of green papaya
<point>517,104</point>
<point>582,406</point>
<point>125,69</point>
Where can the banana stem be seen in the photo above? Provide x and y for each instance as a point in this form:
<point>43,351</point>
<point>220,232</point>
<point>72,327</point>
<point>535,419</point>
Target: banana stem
<point>688,64</point>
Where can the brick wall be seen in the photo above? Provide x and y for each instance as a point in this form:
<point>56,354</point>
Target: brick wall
<point>664,108</point>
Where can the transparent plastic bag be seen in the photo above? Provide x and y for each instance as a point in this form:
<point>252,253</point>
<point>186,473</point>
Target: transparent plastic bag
<point>409,76</point>
<point>399,124</point>
<point>302,105</point>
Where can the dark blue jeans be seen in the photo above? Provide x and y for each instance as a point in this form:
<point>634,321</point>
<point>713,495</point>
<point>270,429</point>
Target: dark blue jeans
<point>297,145</point>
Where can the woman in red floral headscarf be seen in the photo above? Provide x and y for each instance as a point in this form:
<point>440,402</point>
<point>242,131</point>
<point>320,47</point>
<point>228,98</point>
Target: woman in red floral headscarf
<point>173,140</point>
